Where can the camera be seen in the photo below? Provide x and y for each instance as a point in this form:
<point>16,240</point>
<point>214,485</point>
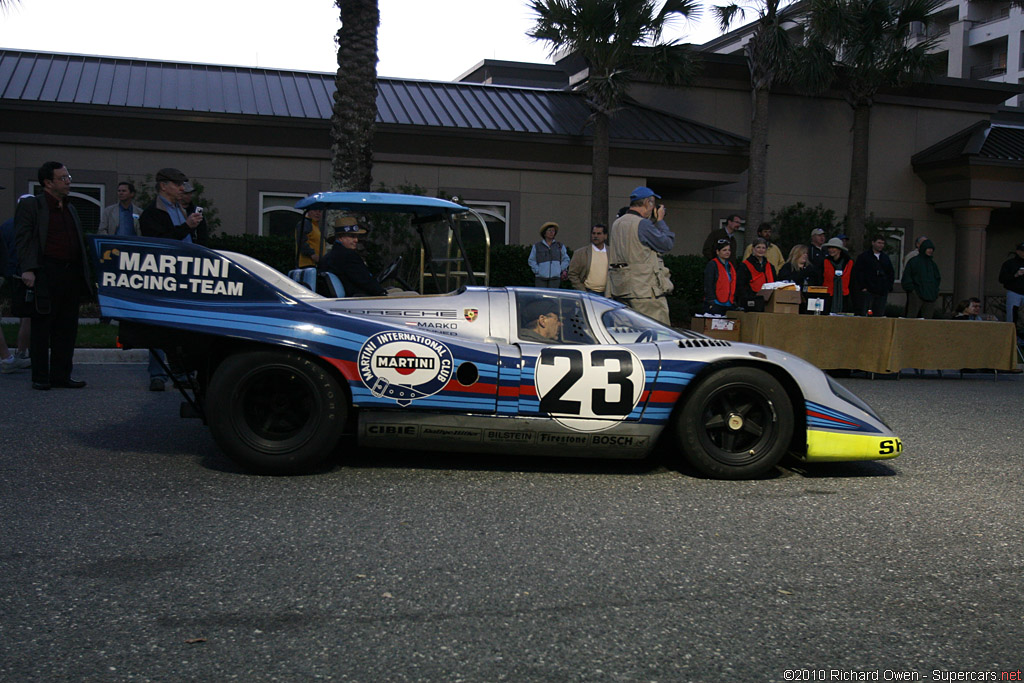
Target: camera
<point>199,210</point>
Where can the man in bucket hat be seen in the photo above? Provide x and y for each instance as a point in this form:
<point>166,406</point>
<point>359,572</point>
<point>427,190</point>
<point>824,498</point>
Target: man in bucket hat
<point>637,275</point>
<point>548,259</point>
<point>344,261</point>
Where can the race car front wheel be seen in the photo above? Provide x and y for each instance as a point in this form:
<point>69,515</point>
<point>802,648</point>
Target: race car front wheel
<point>737,424</point>
<point>275,412</point>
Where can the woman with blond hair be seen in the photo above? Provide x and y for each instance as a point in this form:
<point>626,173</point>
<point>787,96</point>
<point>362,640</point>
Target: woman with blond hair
<point>798,267</point>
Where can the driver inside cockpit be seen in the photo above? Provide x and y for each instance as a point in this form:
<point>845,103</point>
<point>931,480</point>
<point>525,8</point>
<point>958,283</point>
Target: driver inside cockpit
<point>344,261</point>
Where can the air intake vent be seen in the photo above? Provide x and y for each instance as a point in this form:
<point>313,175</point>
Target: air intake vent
<point>698,343</point>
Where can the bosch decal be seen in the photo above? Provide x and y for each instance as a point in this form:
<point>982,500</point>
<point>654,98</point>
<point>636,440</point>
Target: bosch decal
<point>404,366</point>
<point>169,273</point>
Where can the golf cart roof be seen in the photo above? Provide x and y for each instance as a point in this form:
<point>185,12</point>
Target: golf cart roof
<point>380,201</point>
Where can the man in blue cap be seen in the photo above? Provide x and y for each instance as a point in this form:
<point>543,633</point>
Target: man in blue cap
<point>637,275</point>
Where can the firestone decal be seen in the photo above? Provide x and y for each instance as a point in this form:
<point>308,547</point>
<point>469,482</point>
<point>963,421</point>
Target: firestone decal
<point>404,366</point>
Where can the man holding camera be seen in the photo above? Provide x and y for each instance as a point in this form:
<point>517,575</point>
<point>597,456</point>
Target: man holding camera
<point>637,275</point>
<point>166,217</point>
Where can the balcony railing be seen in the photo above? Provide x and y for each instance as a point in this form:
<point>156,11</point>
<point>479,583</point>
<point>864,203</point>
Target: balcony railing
<point>982,71</point>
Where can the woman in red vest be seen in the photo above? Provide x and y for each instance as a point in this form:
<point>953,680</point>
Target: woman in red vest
<point>755,271</point>
<point>720,280</point>
<point>837,270</point>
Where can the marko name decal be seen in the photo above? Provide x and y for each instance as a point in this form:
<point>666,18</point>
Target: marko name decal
<point>404,366</point>
<point>170,273</point>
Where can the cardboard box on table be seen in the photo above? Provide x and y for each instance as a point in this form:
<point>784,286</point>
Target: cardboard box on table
<point>783,300</point>
<point>726,329</point>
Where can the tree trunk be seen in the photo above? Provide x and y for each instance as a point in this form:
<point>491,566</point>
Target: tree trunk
<point>599,171</point>
<point>757,171</point>
<point>856,204</point>
<point>355,101</point>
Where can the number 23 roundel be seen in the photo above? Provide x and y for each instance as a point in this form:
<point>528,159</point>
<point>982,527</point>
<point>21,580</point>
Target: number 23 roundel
<point>586,388</point>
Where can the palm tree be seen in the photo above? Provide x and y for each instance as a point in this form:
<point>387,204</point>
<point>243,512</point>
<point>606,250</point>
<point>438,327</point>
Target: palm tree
<point>355,101</point>
<point>621,43</point>
<point>769,58</point>
<point>869,44</point>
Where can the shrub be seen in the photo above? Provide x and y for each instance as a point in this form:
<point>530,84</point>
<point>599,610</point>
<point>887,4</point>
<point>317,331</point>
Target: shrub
<point>794,223</point>
<point>276,251</point>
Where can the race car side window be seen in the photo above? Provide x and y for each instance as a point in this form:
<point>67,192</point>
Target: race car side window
<point>552,318</point>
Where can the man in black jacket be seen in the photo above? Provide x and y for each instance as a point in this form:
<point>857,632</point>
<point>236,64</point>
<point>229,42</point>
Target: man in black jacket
<point>1011,276</point>
<point>873,277</point>
<point>344,261</point>
<point>51,252</point>
<point>165,216</point>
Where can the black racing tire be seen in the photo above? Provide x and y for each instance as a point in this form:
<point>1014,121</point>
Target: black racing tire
<point>736,424</point>
<point>275,412</point>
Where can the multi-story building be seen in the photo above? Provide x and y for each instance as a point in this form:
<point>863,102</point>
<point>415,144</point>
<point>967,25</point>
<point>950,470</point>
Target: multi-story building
<point>977,39</point>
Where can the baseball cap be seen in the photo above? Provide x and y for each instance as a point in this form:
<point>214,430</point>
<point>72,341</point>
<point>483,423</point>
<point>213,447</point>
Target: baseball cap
<point>817,231</point>
<point>188,187</point>
<point>1020,247</point>
<point>172,175</point>
<point>642,193</point>
<point>536,309</point>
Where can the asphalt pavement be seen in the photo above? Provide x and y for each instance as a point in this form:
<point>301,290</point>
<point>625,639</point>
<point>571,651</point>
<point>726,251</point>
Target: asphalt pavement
<point>132,550</point>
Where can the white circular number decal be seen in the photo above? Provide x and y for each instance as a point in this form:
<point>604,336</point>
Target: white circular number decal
<point>588,389</point>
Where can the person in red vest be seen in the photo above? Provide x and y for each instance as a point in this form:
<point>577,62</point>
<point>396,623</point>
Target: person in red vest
<point>720,280</point>
<point>755,271</point>
<point>836,273</point>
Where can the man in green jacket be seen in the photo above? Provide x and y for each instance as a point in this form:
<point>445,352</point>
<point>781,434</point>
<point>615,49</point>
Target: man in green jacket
<point>921,280</point>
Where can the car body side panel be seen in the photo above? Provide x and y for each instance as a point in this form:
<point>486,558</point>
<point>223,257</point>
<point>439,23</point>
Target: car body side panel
<point>507,435</point>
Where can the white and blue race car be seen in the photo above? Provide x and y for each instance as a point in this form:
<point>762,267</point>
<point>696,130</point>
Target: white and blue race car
<point>280,373</point>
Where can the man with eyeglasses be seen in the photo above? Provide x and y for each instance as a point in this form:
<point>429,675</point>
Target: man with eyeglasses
<point>732,224</point>
<point>51,250</point>
<point>541,322</point>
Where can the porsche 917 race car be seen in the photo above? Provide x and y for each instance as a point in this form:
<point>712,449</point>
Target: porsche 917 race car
<point>280,373</point>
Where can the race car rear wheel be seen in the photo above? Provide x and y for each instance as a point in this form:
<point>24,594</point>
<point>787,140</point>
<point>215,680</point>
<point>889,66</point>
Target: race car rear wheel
<point>275,412</point>
<point>736,424</point>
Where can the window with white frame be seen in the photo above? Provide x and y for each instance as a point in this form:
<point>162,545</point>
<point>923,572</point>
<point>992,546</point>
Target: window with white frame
<point>495,215</point>
<point>278,215</point>
<point>88,201</point>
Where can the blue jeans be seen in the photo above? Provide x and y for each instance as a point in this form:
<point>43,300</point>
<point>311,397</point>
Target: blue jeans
<point>155,371</point>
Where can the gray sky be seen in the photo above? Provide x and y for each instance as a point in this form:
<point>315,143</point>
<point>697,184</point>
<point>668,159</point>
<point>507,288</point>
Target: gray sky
<point>421,39</point>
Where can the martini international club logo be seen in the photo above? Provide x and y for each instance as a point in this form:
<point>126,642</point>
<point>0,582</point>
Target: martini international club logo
<point>403,366</point>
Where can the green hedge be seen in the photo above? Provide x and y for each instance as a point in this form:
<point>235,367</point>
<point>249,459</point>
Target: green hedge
<point>276,251</point>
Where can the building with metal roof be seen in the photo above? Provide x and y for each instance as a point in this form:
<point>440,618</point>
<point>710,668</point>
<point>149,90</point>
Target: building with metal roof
<point>258,139</point>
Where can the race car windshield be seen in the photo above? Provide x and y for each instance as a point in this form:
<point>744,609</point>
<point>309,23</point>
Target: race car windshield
<point>626,326</point>
<point>272,276</point>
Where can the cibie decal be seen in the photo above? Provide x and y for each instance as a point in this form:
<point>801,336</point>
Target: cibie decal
<point>588,389</point>
<point>404,366</point>
<point>471,314</point>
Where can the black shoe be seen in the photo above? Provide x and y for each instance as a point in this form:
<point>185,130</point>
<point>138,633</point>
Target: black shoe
<point>68,384</point>
<point>156,384</point>
<point>41,386</point>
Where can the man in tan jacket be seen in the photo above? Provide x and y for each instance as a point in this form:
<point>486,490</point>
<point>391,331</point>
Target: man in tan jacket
<point>637,275</point>
<point>588,269</point>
